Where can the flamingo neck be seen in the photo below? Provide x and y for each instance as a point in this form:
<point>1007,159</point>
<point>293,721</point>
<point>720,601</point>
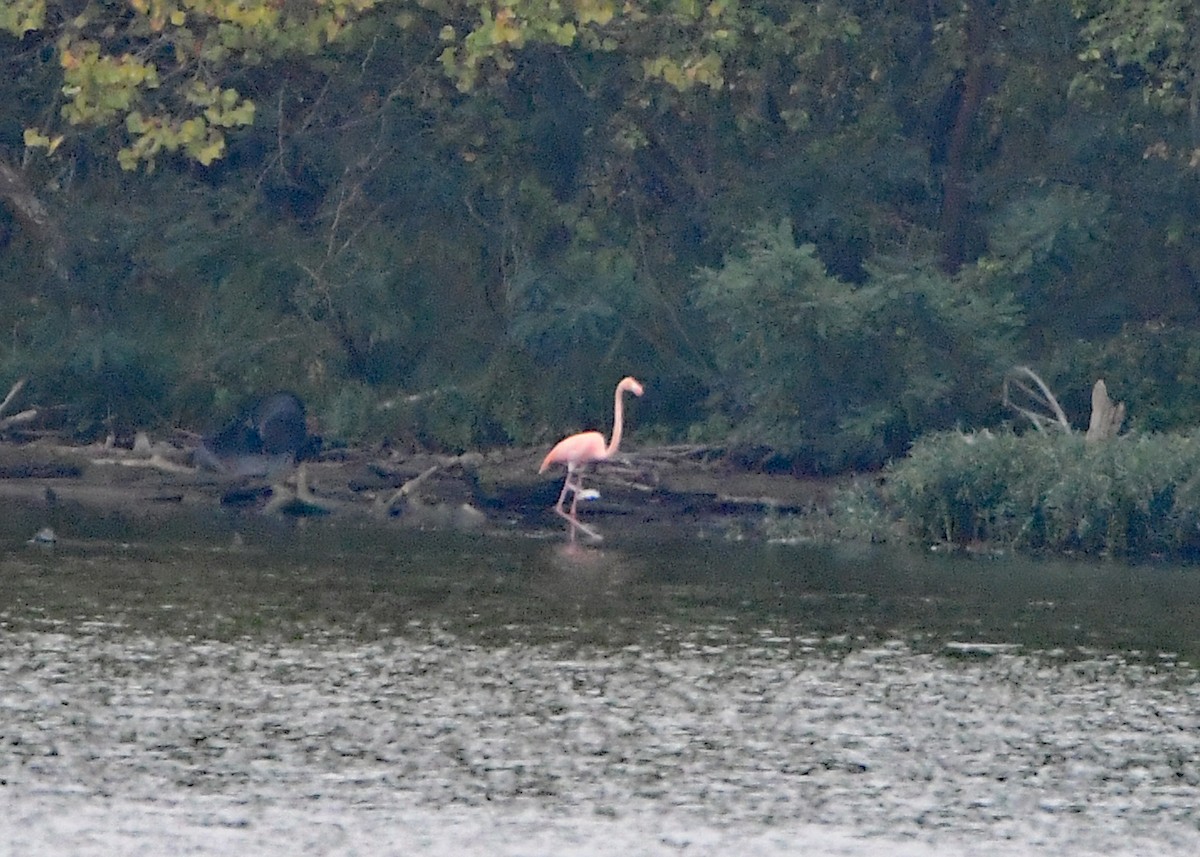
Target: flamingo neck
<point>614,442</point>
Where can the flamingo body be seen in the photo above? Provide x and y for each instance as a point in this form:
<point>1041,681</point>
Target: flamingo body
<point>578,450</point>
<point>575,450</point>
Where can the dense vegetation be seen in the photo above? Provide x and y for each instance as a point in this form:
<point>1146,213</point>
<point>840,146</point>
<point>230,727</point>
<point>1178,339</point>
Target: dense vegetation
<point>1134,496</point>
<point>821,229</point>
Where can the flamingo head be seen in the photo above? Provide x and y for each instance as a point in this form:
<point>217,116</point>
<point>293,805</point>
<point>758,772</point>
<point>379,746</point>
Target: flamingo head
<point>630,385</point>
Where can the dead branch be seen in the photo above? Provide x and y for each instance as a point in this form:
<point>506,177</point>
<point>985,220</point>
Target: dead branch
<point>405,490</point>
<point>1039,405</point>
<point>12,394</point>
<point>26,416</point>
<point>302,501</point>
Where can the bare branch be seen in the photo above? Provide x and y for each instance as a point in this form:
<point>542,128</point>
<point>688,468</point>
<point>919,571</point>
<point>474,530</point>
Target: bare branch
<point>406,490</point>
<point>12,394</point>
<point>1039,406</point>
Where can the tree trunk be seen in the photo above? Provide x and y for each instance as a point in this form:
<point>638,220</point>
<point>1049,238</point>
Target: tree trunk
<point>34,217</point>
<point>1106,417</point>
<point>954,186</point>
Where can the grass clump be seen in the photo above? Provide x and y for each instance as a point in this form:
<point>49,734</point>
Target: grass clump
<point>852,513</point>
<point>1135,496</point>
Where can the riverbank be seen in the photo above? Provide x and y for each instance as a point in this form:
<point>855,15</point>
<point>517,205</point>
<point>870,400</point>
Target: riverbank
<point>72,490</point>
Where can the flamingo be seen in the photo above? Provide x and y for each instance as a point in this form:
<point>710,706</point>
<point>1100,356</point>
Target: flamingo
<point>578,450</point>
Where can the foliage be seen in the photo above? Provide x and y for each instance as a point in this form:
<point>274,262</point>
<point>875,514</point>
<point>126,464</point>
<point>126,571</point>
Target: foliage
<point>1135,495</point>
<point>1044,246</point>
<point>492,210</point>
<point>855,513</point>
<point>838,375</point>
<point>686,44</point>
<point>1153,368</point>
<point>154,67</point>
<point>588,321</point>
<point>116,381</point>
<point>1151,48</point>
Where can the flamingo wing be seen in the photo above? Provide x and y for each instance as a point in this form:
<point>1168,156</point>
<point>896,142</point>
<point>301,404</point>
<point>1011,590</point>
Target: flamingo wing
<point>576,449</point>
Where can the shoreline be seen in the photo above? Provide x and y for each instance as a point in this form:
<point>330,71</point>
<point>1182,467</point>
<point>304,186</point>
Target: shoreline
<point>75,490</point>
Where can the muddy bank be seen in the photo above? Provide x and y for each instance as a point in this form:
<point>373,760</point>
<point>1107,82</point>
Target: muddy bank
<point>70,488</point>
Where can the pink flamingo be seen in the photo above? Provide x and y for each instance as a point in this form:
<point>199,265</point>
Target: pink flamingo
<point>579,450</point>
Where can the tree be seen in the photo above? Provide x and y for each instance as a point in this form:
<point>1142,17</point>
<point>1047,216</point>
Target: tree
<point>160,69</point>
<point>477,196</point>
<point>830,375</point>
<point>1150,49</point>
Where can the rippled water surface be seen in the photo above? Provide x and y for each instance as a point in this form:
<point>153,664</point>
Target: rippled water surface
<point>325,690</point>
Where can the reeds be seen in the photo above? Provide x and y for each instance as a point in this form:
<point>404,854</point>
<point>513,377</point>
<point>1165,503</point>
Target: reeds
<point>1134,496</point>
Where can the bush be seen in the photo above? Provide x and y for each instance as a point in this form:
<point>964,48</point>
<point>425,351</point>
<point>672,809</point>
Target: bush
<point>854,513</point>
<point>1135,496</point>
<point>834,375</point>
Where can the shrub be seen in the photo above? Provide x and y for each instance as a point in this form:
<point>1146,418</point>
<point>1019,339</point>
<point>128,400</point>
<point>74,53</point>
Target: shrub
<point>1136,495</point>
<point>837,375</point>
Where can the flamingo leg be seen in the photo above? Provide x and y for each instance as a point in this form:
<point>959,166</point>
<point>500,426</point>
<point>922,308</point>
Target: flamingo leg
<point>574,486</point>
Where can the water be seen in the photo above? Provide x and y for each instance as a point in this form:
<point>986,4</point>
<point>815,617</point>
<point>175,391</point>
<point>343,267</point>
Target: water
<point>329,690</point>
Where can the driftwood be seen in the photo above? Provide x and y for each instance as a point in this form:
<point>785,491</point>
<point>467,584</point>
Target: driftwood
<point>1041,408</point>
<point>406,491</point>
<point>23,417</point>
<point>408,503</point>
<point>301,502</point>
<point>1106,417</point>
